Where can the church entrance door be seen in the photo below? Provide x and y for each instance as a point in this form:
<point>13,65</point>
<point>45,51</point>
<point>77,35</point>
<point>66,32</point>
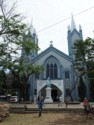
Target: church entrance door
<point>54,95</point>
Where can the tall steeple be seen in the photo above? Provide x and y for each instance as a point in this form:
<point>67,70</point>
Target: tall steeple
<point>31,27</point>
<point>34,53</point>
<point>73,36</point>
<point>30,36</point>
<point>73,25</point>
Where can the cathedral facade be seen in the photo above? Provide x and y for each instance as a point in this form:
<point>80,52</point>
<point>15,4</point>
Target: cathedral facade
<point>57,66</point>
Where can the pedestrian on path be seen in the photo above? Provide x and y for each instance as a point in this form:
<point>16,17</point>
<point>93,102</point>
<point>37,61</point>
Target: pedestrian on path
<point>85,103</point>
<point>40,105</point>
<point>88,110</point>
<point>60,101</point>
<point>66,101</point>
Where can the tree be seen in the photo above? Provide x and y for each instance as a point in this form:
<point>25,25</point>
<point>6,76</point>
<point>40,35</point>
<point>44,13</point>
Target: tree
<point>81,89</point>
<point>3,85</point>
<point>83,51</point>
<point>12,33</point>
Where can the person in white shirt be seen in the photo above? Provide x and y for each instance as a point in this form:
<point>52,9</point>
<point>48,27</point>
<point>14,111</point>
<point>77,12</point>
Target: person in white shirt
<point>60,101</point>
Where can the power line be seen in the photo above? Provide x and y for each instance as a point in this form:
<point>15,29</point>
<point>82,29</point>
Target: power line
<point>65,19</point>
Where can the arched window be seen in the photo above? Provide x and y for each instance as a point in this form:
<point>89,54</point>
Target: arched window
<point>55,70</point>
<point>51,71</point>
<point>47,71</point>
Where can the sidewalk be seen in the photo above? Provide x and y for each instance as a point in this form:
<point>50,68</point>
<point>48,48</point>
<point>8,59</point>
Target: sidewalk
<point>32,108</point>
<point>55,106</point>
<point>51,105</point>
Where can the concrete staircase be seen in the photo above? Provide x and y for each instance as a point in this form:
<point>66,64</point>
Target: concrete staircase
<point>33,108</point>
<point>47,110</point>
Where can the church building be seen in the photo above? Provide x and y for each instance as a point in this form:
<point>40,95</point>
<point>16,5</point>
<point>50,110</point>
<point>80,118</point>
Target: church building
<point>57,66</point>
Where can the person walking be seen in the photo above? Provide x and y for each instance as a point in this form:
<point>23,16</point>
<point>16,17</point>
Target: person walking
<point>87,108</point>
<point>60,101</point>
<point>85,103</point>
<point>40,105</point>
<point>66,101</point>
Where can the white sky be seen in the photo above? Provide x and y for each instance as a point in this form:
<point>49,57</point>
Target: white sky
<point>46,13</point>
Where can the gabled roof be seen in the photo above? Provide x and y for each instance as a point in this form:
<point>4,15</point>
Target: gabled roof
<point>53,49</point>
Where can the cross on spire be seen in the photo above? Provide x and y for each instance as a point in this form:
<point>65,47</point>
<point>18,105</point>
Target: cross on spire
<point>51,43</point>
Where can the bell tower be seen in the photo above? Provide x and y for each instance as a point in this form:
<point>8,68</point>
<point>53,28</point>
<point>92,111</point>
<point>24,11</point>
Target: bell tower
<point>73,35</point>
<point>30,36</point>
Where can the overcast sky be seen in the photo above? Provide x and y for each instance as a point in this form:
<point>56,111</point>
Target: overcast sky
<point>52,17</point>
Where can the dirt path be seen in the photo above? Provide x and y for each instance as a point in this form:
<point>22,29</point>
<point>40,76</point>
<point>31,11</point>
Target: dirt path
<point>48,119</point>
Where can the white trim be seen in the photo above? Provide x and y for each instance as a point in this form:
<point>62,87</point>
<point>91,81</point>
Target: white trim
<point>58,83</point>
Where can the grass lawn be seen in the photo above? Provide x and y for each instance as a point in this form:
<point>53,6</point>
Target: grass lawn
<point>48,119</point>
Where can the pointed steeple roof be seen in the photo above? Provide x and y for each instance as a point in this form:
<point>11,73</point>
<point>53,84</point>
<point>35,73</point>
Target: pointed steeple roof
<point>31,27</point>
<point>73,25</point>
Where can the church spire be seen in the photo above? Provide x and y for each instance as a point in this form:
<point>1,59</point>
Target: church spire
<point>73,25</point>
<point>73,35</point>
<point>31,27</point>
